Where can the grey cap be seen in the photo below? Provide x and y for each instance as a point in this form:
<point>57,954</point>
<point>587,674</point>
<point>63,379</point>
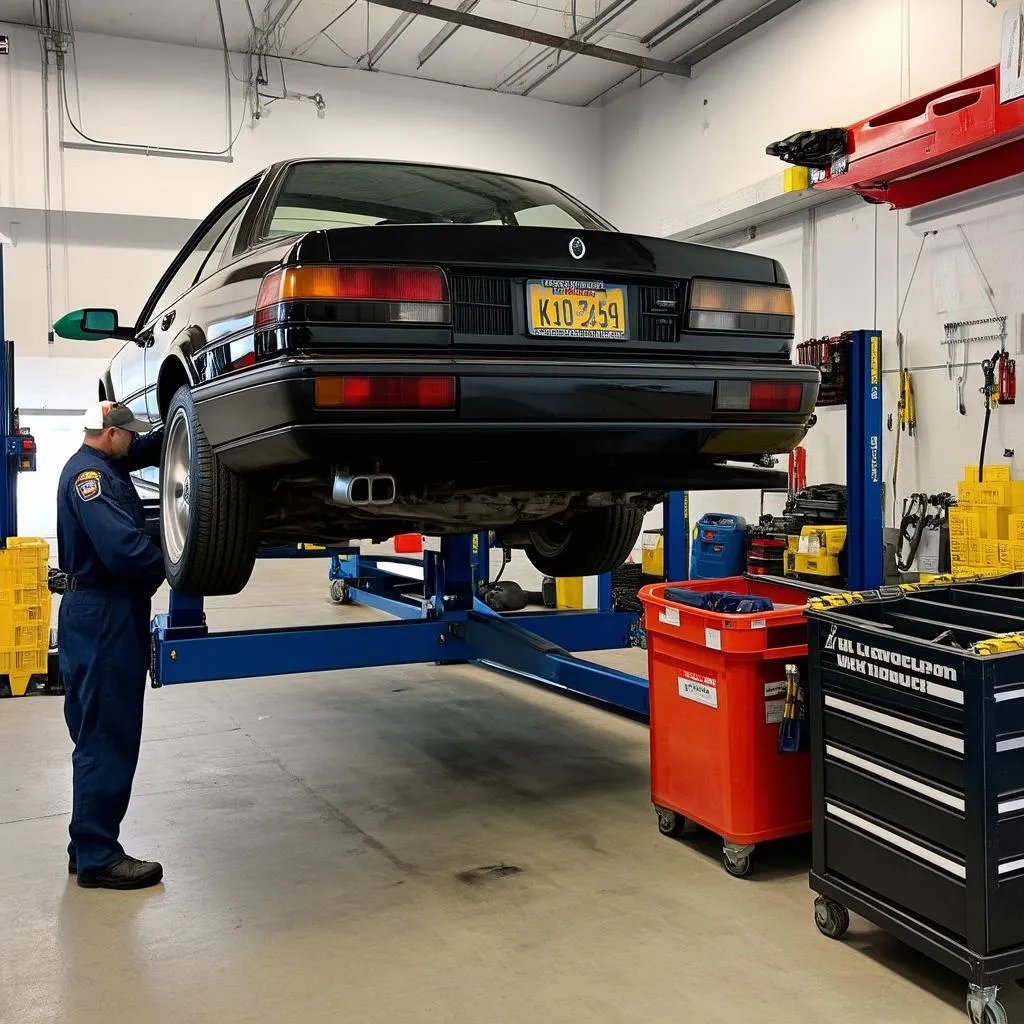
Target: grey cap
<point>111,414</point>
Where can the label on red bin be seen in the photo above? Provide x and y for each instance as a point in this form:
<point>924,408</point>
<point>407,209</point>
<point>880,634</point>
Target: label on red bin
<point>702,689</point>
<point>774,711</point>
<point>670,616</point>
<point>713,638</point>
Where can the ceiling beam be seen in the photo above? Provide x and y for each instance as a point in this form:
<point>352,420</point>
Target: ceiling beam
<point>670,26</point>
<point>504,28</point>
<point>444,35</point>
<point>598,24</point>
<point>761,16</point>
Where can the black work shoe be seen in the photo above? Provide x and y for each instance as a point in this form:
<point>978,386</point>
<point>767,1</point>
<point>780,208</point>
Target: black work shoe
<point>126,873</point>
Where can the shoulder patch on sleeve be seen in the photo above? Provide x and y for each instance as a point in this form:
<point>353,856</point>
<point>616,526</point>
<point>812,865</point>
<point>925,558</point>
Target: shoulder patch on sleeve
<point>87,484</point>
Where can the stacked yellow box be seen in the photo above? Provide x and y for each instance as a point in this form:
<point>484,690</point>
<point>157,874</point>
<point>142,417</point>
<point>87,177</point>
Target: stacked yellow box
<point>987,526</point>
<point>24,611</point>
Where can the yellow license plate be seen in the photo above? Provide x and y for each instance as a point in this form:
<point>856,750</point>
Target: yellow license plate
<point>576,309</point>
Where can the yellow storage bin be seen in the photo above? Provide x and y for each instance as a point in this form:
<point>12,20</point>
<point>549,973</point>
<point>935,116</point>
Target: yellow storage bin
<point>966,523</point>
<point>992,473</point>
<point>1005,555</point>
<point>24,611</point>
<point>964,551</point>
<point>990,552</point>
<point>653,553</point>
<point>993,521</point>
<point>967,494</point>
<point>1015,525</point>
<point>999,492</point>
<point>1017,554</point>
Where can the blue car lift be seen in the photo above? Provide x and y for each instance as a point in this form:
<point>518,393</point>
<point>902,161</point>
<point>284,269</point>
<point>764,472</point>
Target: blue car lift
<point>441,619</point>
<point>438,620</point>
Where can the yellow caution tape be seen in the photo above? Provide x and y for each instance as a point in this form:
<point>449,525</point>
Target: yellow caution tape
<point>826,601</point>
<point>999,644</point>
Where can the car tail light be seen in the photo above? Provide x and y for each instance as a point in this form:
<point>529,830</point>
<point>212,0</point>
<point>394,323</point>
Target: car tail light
<point>408,294</point>
<point>735,306</point>
<point>759,396</point>
<point>358,392</point>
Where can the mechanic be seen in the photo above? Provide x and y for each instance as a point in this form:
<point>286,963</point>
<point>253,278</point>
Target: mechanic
<point>112,570</point>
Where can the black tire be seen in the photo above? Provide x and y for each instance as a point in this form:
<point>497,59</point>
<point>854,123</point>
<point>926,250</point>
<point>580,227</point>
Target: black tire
<point>220,537</point>
<point>593,542</point>
<point>990,1013</point>
<point>739,867</point>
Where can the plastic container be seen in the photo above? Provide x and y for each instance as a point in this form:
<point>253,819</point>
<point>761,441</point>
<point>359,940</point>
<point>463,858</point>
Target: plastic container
<point>408,544</point>
<point>717,692</point>
<point>719,546</point>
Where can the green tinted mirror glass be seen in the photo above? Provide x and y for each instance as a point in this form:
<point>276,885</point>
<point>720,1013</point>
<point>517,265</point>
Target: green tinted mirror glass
<point>86,324</point>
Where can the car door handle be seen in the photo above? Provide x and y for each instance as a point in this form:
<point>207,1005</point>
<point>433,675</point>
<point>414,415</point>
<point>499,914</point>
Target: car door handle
<point>168,319</point>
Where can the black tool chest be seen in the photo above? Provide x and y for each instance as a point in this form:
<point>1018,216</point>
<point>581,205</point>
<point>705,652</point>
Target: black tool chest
<point>916,702</point>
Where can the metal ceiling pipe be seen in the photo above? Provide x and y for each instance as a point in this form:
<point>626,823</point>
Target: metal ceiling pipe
<point>674,25</point>
<point>444,35</point>
<point>504,28</point>
<point>388,39</point>
<point>598,24</point>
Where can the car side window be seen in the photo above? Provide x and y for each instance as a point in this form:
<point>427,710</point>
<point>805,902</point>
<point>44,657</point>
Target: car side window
<point>215,259</point>
<point>200,260</point>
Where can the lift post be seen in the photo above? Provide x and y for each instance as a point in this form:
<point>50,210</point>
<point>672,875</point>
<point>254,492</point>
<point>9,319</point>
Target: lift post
<point>865,539</point>
<point>437,618</point>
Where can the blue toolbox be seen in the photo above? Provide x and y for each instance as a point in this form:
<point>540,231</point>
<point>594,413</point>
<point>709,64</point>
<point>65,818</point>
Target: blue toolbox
<point>719,547</point>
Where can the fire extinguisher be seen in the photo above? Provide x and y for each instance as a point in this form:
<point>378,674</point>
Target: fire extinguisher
<point>1007,380</point>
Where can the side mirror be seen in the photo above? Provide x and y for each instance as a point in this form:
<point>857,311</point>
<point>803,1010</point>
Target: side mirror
<point>90,325</point>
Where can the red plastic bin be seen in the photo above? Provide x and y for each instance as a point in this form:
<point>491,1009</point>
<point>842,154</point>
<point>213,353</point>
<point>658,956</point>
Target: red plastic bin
<point>408,543</point>
<point>717,687</point>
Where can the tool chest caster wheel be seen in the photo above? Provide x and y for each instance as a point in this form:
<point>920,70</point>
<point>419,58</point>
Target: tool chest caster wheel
<point>671,824</point>
<point>832,919</point>
<point>339,592</point>
<point>738,860</point>
<point>983,1006</point>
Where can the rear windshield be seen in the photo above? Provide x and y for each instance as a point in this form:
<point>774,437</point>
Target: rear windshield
<point>347,195</point>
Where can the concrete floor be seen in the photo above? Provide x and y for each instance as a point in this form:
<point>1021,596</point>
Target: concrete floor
<point>415,845</point>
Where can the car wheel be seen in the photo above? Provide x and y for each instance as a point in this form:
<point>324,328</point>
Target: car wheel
<point>593,542</point>
<point>209,519</point>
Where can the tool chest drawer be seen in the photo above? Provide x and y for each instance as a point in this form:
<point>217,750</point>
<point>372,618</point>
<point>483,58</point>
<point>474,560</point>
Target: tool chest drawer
<point>916,704</point>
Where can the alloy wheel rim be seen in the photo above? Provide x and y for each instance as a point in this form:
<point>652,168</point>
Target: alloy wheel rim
<point>175,487</point>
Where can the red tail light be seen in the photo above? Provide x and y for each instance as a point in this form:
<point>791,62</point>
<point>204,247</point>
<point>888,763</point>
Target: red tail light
<point>391,284</point>
<point>385,392</point>
<point>759,396</point>
<point>771,396</point>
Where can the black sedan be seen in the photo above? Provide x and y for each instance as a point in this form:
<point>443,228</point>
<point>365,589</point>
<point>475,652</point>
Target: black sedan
<point>353,349</point>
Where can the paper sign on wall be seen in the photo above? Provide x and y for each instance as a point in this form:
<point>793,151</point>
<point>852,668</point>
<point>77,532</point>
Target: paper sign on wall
<point>702,689</point>
<point>774,711</point>
<point>774,689</point>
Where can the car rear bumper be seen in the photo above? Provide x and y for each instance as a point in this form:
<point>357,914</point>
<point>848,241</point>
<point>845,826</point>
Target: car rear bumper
<point>648,416</point>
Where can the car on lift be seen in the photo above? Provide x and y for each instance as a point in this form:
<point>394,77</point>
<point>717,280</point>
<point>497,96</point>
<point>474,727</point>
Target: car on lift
<point>355,349</point>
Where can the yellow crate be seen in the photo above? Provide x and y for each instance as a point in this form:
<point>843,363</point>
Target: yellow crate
<point>1005,555</point>
<point>993,521</point>
<point>24,551</point>
<point>1014,525</point>
<point>998,492</point>
<point>1017,554</point>
<point>992,473</point>
<point>967,494</point>
<point>966,523</point>
<point>990,552</point>
<point>965,550</point>
<point>24,636</point>
<point>569,592</point>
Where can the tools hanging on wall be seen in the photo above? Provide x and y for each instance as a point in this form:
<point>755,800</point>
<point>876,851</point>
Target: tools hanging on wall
<point>959,336</point>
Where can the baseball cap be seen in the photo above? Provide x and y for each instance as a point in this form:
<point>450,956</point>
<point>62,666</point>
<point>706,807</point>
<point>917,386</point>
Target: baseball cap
<point>110,414</point>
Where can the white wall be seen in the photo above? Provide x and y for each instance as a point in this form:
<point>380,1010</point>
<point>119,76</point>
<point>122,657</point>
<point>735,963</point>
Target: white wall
<point>676,146</point>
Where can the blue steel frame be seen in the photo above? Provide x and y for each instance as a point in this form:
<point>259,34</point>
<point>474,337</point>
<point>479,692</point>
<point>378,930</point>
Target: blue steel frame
<point>865,513</point>
<point>439,618</point>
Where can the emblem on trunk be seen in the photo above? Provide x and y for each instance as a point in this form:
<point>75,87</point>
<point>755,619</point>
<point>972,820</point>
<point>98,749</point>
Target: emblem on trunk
<point>577,250</point>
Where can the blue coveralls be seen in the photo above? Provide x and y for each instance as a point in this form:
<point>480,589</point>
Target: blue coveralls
<point>103,636</point>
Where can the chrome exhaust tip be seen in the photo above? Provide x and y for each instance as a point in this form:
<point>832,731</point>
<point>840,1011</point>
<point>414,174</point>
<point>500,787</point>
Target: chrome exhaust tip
<point>351,490</point>
<point>382,489</point>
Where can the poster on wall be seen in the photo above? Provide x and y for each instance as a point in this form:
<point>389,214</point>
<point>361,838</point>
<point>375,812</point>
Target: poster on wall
<point>1011,70</point>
